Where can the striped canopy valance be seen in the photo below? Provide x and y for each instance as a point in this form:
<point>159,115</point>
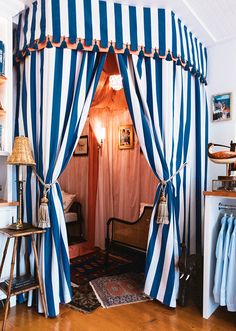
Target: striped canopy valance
<point>88,23</point>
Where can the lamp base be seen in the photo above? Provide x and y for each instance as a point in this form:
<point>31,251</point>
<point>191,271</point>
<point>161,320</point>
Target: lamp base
<point>17,227</point>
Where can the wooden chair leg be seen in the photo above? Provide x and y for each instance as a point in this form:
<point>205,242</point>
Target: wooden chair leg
<point>41,290</point>
<point>10,284</point>
<point>4,256</point>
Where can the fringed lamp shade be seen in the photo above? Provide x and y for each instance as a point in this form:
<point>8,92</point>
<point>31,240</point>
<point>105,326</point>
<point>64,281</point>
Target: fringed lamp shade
<point>21,152</point>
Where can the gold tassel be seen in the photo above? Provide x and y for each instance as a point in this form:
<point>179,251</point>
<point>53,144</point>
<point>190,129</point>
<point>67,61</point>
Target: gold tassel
<point>43,215</point>
<point>162,211</point>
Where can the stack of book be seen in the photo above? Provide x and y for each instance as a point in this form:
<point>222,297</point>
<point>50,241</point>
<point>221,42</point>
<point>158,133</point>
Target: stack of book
<point>21,281</point>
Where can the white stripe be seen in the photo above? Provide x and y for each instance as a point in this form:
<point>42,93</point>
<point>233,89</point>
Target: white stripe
<point>190,48</point>
<point>95,20</point>
<point>178,44</point>
<point>184,43</point>
<point>125,24</point>
<point>49,64</point>
<point>37,21</point>
<point>64,17</point>
<point>28,34</point>
<point>49,18</point>
<point>80,18</point>
<point>154,27</point>
<point>111,22</point>
<point>168,29</point>
<point>140,26</point>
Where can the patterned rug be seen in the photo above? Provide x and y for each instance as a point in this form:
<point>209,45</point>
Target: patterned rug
<point>89,267</point>
<point>119,289</point>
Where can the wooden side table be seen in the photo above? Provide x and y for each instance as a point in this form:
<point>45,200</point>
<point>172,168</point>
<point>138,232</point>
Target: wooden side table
<point>17,285</point>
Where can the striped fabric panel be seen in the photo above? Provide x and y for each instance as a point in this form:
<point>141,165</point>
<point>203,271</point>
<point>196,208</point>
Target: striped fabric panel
<point>53,121</point>
<point>172,129</point>
<point>96,19</point>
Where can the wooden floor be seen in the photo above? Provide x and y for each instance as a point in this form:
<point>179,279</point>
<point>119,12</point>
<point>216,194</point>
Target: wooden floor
<point>135,317</point>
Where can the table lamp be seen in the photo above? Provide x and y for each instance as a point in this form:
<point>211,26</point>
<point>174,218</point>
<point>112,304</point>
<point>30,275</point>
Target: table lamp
<point>21,155</point>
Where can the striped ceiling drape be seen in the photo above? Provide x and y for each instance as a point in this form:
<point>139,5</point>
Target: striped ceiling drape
<point>122,26</point>
<point>164,82</point>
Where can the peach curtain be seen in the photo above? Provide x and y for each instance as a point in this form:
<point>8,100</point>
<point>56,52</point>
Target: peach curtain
<point>124,178</point>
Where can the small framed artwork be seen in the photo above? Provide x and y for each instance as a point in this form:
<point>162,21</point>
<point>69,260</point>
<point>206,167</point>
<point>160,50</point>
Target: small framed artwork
<point>82,147</point>
<point>221,107</point>
<point>126,137</point>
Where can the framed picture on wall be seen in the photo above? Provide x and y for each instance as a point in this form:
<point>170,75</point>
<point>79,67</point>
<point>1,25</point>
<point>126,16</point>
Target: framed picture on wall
<point>82,147</point>
<point>221,107</point>
<point>126,137</point>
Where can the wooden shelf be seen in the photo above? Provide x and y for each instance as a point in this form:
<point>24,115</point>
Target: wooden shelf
<point>21,284</point>
<point>4,153</point>
<point>4,203</point>
<point>220,194</point>
<point>3,79</point>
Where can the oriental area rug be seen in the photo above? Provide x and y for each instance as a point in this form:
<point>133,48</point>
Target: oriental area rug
<point>119,290</point>
<point>89,267</point>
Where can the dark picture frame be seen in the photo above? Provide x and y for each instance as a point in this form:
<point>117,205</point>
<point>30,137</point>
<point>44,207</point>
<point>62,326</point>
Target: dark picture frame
<point>221,107</point>
<point>82,147</point>
<point>126,137</point>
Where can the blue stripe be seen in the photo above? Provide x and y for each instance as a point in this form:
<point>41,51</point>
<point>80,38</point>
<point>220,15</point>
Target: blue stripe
<point>186,146</point>
<point>206,142</point>
<point>198,166</point>
<point>48,267</point>
<point>133,29</point>
<point>56,22</point>
<point>18,80</point>
<point>162,31</point>
<point>170,283</point>
<point>147,30</point>
<point>26,27</point>
<point>33,104</point>
<point>32,37</point>
<point>181,41</point>
<point>174,37</point>
<point>18,33</point>
<point>42,22</point>
<point>158,76</point>
<point>118,26</point>
<point>56,105</point>
<point>88,22</point>
<point>24,95</point>
<point>103,23</point>
<point>72,21</point>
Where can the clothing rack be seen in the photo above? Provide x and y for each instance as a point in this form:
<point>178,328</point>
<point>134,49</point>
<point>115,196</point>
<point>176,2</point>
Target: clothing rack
<point>224,206</point>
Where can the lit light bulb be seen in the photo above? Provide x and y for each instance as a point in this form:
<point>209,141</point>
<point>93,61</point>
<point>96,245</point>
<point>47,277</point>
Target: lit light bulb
<point>116,82</point>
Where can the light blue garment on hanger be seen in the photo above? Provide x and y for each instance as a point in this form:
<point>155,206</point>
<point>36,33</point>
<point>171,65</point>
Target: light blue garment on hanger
<point>219,259</point>
<point>231,278</point>
<point>230,222</point>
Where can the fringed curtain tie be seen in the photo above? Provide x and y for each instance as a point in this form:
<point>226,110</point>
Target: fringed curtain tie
<point>162,211</point>
<point>43,213</point>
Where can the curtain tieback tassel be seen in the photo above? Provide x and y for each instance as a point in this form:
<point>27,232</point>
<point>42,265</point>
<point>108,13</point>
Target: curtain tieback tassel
<point>43,215</point>
<point>162,211</point>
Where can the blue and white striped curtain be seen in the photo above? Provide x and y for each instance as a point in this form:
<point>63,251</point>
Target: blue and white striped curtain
<point>54,96</point>
<point>168,107</point>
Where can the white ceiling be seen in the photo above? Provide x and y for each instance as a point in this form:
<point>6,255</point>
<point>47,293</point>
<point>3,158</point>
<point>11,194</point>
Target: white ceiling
<point>212,21</point>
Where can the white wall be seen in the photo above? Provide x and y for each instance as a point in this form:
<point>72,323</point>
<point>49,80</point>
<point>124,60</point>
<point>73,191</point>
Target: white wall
<point>221,79</point>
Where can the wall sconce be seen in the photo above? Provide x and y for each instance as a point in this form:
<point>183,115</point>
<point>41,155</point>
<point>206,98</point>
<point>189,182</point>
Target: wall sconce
<point>101,136</point>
